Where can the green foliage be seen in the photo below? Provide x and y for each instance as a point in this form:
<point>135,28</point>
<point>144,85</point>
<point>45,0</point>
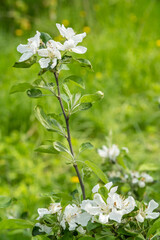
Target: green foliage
<point>26,64</point>
<point>76,80</point>
<point>20,87</point>
<point>97,171</point>
<point>85,146</point>
<point>45,37</point>
<point>15,224</point>
<point>5,201</point>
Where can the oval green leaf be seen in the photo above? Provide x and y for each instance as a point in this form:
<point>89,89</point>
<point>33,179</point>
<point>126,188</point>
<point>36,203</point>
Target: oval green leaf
<point>97,171</point>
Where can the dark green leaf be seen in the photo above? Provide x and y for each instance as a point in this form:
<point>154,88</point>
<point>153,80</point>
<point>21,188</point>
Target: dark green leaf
<point>45,37</point>
<point>76,80</point>
<point>84,62</point>
<point>66,59</point>
<point>26,64</point>
<point>92,98</point>
<point>20,87</point>
<point>46,149</point>
<point>34,93</point>
<point>86,238</point>
<point>97,171</point>
<point>85,146</point>
<point>5,201</point>
<point>84,106</point>
<point>15,224</point>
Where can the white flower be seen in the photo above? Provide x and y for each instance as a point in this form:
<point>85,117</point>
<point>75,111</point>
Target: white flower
<point>125,149</point>
<point>90,207</point>
<point>55,208</point>
<point>72,39</point>
<point>74,217</point>
<point>28,50</point>
<point>112,152</point>
<point>95,188</point>
<point>44,228</point>
<point>146,177</point>
<point>148,212</point>
<point>42,212</point>
<point>50,54</point>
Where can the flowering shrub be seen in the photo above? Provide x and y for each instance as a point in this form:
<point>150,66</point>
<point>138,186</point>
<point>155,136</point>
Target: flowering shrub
<point>106,213</point>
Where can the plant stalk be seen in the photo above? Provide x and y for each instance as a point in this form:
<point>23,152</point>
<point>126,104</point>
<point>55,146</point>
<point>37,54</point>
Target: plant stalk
<point>69,136</point>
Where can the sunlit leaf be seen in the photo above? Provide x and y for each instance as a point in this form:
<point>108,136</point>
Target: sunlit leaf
<point>46,149</point>
<point>15,224</point>
<point>5,201</point>
<point>85,146</point>
<point>84,62</point>
<point>92,98</point>
<point>61,147</point>
<point>97,171</point>
<point>76,80</point>
<point>20,87</point>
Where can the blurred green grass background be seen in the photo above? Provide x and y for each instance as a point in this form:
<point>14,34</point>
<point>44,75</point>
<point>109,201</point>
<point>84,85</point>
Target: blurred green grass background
<point>123,41</point>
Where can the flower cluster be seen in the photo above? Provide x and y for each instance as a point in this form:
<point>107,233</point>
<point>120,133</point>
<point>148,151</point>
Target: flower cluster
<point>111,152</point>
<point>140,179</point>
<point>51,51</point>
<point>101,209</point>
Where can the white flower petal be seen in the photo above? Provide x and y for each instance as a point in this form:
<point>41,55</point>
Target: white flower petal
<point>22,48</point>
<point>83,219</point>
<point>141,184</point>
<point>108,185</point>
<point>151,206</point>
<point>116,215</point>
<point>43,52</point>
<point>54,62</point>
<point>42,212</point>
<point>103,218</point>
<point>153,215</point>
<point>79,49</point>
<point>99,200</point>
<point>140,218</point>
<point>44,62</point>
<point>25,56</point>
<point>44,228</point>
<point>95,188</point>
<point>79,37</point>
<point>61,29</point>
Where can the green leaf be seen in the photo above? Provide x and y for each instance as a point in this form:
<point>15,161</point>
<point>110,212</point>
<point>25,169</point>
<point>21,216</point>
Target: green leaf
<point>20,87</point>
<point>86,238</point>
<point>45,37</point>
<point>46,149</point>
<point>85,146</point>
<point>76,80</point>
<point>48,122</point>
<point>5,201</point>
<point>84,62</point>
<point>63,67</point>
<point>26,64</point>
<point>67,91</point>
<point>15,224</point>
<point>61,148</point>
<point>34,93</point>
<point>40,237</point>
<point>92,98</point>
<point>97,171</point>
<point>66,59</point>
<point>84,106</point>
<point>154,227</point>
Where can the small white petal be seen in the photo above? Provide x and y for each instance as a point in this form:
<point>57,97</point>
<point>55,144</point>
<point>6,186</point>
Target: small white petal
<point>22,48</point>
<point>79,37</point>
<point>153,215</point>
<point>61,29</point>
<point>25,56</point>
<point>103,218</point>
<point>140,218</point>
<point>81,230</point>
<point>43,52</point>
<point>44,228</point>
<point>141,184</point>
<point>54,62</point>
<point>108,185</point>
<point>151,206</point>
<point>79,49</point>
<point>44,62</point>
<point>95,188</point>
<point>116,215</point>
<point>83,219</point>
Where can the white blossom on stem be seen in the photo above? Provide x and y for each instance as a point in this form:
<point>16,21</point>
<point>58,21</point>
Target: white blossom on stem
<point>112,152</point>
<point>148,212</point>
<point>28,50</point>
<point>50,54</point>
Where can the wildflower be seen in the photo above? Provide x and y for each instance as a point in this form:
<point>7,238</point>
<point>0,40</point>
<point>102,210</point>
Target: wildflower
<point>74,179</point>
<point>51,53</point>
<point>86,29</point>
<point>72,39</point>
<point>148,212</point>
<point>141,179</point>
<point>28,50</point>
<point>112,152</point>
<point>53,208</point>
<point>74,217</point>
